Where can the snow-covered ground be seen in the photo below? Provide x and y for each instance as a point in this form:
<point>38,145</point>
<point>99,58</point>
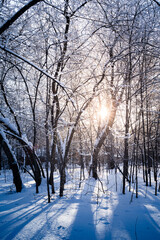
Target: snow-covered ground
<point>85,213</point>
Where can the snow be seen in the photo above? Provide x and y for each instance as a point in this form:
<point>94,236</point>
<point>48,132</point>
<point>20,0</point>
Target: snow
<point>25,139</point>
<point>62,144</point>
<point>85,213</point>
<point>101,134</point>
<point>7,123</point>
<point>2,133</point>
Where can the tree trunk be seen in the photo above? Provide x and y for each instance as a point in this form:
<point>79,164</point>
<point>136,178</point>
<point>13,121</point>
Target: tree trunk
<point>12,162</point>
<point>125,161</point>
<point>62,181</point>
<point>51,178</point>
<point>102,138</point>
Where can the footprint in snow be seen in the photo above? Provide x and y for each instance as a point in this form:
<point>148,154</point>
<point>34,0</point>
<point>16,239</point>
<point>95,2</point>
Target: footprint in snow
<point>104,220</point>
<point>61,227</point>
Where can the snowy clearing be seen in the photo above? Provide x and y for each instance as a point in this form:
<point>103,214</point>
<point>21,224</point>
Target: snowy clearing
<point>85,213</point>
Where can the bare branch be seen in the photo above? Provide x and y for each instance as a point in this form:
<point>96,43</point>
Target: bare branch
<point>156,2</point>
<point>10,21</point>
<point>35,66</point>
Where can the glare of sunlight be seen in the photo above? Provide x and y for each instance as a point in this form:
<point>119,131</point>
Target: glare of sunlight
<point>104,112</point>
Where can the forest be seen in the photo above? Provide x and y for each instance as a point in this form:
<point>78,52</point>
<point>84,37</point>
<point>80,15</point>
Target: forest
<point>80,94</point>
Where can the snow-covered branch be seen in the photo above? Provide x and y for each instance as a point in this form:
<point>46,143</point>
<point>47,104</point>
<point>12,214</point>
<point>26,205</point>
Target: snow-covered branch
<point>10,21</point>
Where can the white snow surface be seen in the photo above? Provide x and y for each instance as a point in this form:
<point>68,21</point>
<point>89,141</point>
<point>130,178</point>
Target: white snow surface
<point>11,126</point>
<point>85,213</point>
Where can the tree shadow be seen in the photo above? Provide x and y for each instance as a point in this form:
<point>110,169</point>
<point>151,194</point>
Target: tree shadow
<point>83,227</point>
<point>131,220</point>
<point>31,214</point>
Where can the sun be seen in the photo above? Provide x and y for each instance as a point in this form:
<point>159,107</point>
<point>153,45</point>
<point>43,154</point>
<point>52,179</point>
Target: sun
<point>103,112</point>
